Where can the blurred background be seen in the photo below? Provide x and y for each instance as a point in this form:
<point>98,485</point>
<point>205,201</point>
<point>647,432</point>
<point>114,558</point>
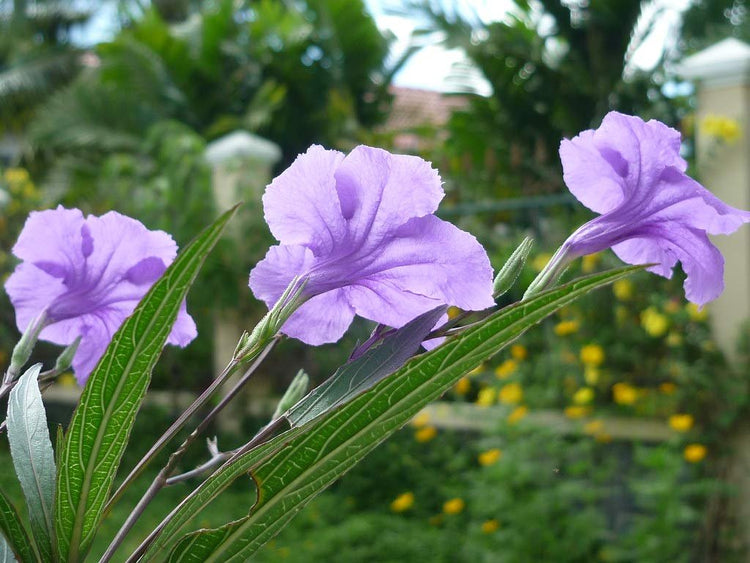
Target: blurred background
<point>616,431</point>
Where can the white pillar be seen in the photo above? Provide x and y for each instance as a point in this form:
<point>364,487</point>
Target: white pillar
<point>722,77</point>
<point>242,166</point>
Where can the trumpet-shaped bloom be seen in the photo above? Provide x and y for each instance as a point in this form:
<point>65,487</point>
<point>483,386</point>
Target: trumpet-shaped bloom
<point>631,172</point>
<point>360,229</point>
<point>88,274</point>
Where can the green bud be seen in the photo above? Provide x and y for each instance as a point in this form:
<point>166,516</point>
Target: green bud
<point>65,360</point>
<point>510,271</point>
<point>22,351</point>
<point>551,273</point>
<point>296,390</point>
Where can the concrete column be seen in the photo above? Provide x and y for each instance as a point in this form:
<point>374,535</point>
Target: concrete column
<point>242,166</point>
<point>722,77</point>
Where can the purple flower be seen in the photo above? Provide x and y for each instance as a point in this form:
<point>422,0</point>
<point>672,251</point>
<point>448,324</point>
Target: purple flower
<point>360,229</point>
<point>88,274</point>
<point>632,174</point>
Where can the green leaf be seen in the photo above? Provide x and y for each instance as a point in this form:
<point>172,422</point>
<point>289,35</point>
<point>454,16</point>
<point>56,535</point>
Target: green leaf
<point>14,534</point>
<point>33,459</point>
<point>6,554</point>
<point>101,425</point>
<point>297,465</point>
<point>359,375</point>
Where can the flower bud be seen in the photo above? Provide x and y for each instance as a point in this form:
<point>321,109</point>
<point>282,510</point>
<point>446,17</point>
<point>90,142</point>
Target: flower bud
<point>510,271</point>
<point>296,390</point>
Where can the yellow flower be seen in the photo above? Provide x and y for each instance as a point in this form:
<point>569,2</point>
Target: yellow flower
<point>506,369</point>
<point>589,262</point>
<point>696,314</point>
<point>721,127</point>
<point>577,411</point>
<point>729,131</point>
<point>583,396</point>
<point>518,352</point>
<point>674,339</point>
<point>694,453</point>
<point>540,261</point>
<point>681,422</point>
<point>486,397</point>
<point>591,375</point>
<point>462,386</point>
<point>403,502</point>
<point>653,322</point>
<point>565,328</point>
<point>593,427</point>
<point>592,355</point>
<point>517,414</point>
<point>67,379</point>
<point>453,312</point>
<point>425,434</point>
<point>489,526</point>
<point>490,457</point>
<point>667,387</point>
<point>16,175</point>
<point>511,394</point>
<point>623,290</point>
<point>624,394</point>
<point>454,506</point>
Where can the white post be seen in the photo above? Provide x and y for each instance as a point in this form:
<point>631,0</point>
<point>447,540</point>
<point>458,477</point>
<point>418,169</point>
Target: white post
<point>242,166</point>
<point>722,77</point>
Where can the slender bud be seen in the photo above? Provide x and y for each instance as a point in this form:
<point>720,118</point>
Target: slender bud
<point>510,271</point>
<point>65,360</point>
<point>296,390</point>
<point>22,351</point>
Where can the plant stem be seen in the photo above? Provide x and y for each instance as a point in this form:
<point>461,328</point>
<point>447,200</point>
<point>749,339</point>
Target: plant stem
<point>161,478</point>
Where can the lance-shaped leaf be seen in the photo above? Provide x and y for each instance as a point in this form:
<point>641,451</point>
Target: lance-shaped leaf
<point>33,459</point>
<point>297,465</point>
<point>14,536</point>
<point>101,425</point>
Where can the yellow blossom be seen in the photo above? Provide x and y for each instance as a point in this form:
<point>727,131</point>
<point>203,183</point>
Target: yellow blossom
<point>583,396</point>
<point>462,386</point>
<point>681,422</point>
<point>696,314</point>
<point>425,434</point>
<point>16,175</point>
<point>694,453</point>
<point>623,290</point>
<point>511,394</point>
<point>577,411</point>
<point>489,526</point>
<point>540,261</point>
<point>721,127</point>
<point>454,506</point>
<point>624,394</point>
<point>517,414</point>
<point>421,419</point>
<point>565,328</point>
<point>591,375</point>
<point>490,457</point>
<point>486,397</point>
<point>506,369</point>
<point>592,355</point>
<point>453,312</point>
<point>67,379</point>
<point>674,339</point>
<point>593,427</point>
<point>653,322</point>
<point>589,262</point>
<point>518,352</point>
<point>403,502</point>
<point>667,387</point>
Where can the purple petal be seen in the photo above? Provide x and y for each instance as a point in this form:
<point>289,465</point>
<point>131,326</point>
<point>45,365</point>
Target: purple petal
<point>386,303</point>
<point>95,338</point>
<point>380,191</point>
<point>321,320</point>
<point>31,290</point>
<point>147,271</point>
<point>301,205</point>
<point>52,237</point>
<point>434,259</point>
<point>274,273</point>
